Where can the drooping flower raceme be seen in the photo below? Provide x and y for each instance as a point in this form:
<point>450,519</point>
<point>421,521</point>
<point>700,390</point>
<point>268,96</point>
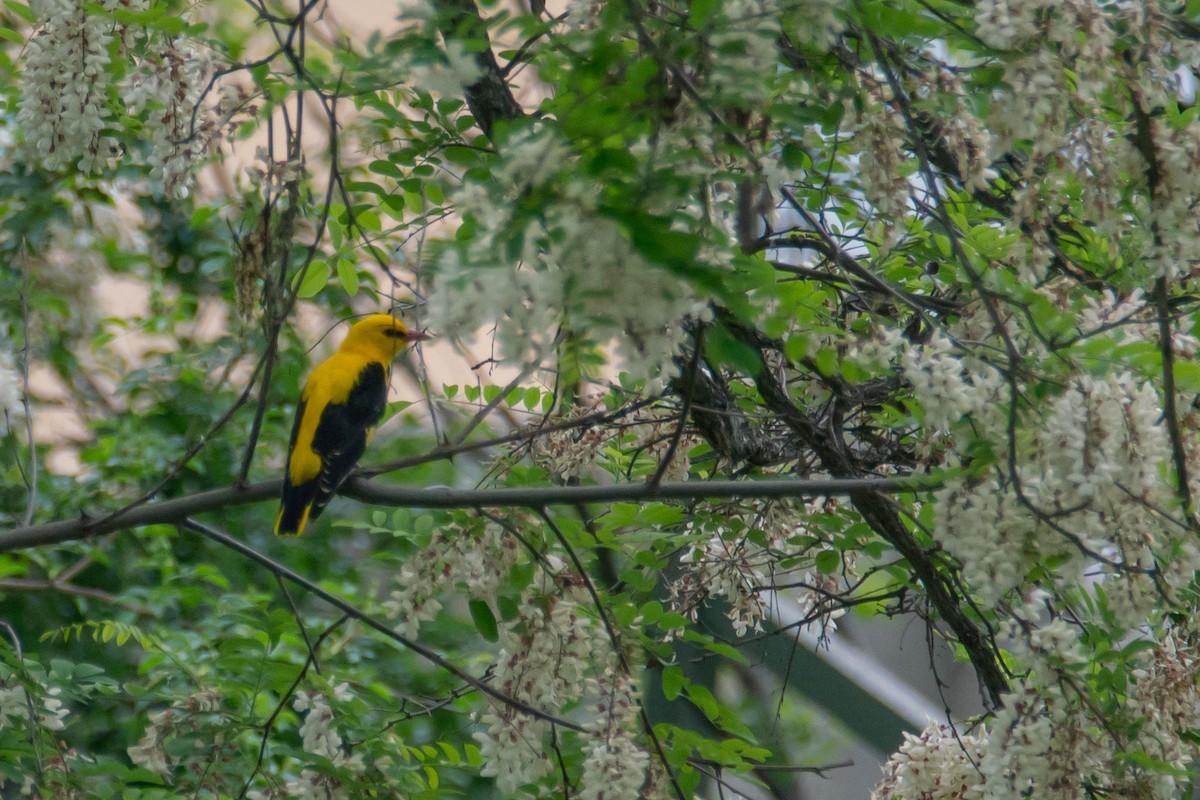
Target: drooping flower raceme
<point>454,557</point>
<point>939,764</point>
<point>568,267</point>
<point>64,95</point>
<point>69,90</point>
<point>548,661</point>
<point>168,84</point>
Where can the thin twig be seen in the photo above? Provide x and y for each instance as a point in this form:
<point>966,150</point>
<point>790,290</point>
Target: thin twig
<point>27,519</point>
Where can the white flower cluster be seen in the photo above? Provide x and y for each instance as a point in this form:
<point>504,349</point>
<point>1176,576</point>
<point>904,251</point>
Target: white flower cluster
<point>275,174</point>
<point>948,385</point>
<point>615,766</point>
<point>17,702</point>
<point>879,133</point>
<point>320,737</point>
<point>985,527</point>
<point>940,764</point>
<point>1103,163</point>
<point>317,732</point>
<point>583,15</point>
<point>65,86</point>
<point>964,134</point>
<point>654,437</point>
<point>169,83</point>
<point>820,23</point>
<point>1039,748</point>
<point>547,655</point>
<point>548,661</point>
<point>567,453</point>
<point>447,77</point>
<point>12,408</point>
<point>572,266</point>
<point>1131,313</point>
<point>1092,476</point>
<point>1173,213</point>
<point>1165,707</point>
<point>1061,58</point>
<point>729,564</point>
<point>729,569</point>
<point>1076,33</point>
<point>453,558</point>
<point>150,751</point>
<point>68,87</point>
<point>745,50</point>
<point>1044,744</point>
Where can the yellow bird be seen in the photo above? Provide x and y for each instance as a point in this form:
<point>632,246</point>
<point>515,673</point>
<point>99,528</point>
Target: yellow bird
<point>342,402</point>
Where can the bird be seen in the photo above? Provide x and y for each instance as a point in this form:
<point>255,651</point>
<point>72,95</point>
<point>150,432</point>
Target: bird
<point>341,403</point>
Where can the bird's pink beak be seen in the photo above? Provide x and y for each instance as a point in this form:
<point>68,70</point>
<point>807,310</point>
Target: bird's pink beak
<point>417,336</point>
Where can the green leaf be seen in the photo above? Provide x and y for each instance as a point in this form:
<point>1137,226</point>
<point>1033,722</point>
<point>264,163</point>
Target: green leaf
<point>382,167</point>
<point>460,155</point>
<point>315,279</point>
<point>826,361</point>
<point>723,348</point>
<point>673,681</point>
<point>828,561</point>
<point>701,11</point>
<point>348,275</point>
<point>11,36</point>
<point>22,10</point>
<point>485,620</point>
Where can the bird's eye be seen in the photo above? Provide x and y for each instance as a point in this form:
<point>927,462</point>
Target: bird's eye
<point>395,333</point>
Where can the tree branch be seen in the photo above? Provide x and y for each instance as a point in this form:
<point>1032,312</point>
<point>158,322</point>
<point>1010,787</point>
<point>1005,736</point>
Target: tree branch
<point>879,514</point>
<point>489,98</point>
<point>375,493</point>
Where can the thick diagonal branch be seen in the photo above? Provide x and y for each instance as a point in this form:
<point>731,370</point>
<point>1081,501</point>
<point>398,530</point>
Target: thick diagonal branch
<point>489,98</point>
<point>878,512</point>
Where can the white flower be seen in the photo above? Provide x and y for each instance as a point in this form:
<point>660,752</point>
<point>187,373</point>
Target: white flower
<point>317,732</point>
<point>949,385</point>
<point>453,557</point>
<point>549,653</point>
<point>447,78</point>
<point>745,50</point>
<point>572,267</point>
<point>64,94</point>
<point>148,753</point>
<point>614,769</point>
<point>167,83</point>
<point>13,703</point>
<point>12,408</point>
<point>880,133</point>
<point>939,764</point>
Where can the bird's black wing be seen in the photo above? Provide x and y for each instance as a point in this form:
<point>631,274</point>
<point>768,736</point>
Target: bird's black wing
<point>341,435</point>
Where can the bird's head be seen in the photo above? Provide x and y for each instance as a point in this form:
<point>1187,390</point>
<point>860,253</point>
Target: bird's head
<point>381,333</point>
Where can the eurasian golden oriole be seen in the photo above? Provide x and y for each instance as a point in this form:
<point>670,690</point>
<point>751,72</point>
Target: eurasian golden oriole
<point>342,402</point>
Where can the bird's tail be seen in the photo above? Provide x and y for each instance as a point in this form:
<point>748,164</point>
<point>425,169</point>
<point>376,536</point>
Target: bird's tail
<point>295,509</point>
